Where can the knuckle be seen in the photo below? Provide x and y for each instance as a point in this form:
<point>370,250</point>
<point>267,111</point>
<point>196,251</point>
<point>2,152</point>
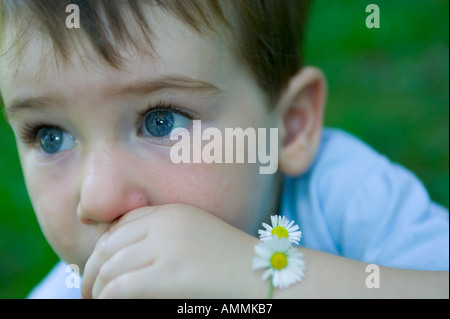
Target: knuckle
<point>117,288</point>
<point>111,290</point>
<point>104,273</point>
<point>103,249</point>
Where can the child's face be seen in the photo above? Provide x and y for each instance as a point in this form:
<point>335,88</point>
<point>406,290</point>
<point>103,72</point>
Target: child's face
<point>107,166</point>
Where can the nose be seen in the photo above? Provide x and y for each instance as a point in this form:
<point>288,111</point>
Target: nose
<point>109,187</point>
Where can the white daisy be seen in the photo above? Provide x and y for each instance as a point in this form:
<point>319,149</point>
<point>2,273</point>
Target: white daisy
<point>283,264</point>
<point>281,228</point>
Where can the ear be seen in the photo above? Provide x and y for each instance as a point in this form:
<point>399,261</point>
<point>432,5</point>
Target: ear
<point>301,109</point>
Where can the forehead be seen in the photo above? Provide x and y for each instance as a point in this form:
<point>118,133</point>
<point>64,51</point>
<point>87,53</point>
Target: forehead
<point>175,49</point>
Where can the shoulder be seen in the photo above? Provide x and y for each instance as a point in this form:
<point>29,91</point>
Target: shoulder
<point>355,202</point>
<point>343,162</point>
<point>61,283</point>
<point>342,165</point>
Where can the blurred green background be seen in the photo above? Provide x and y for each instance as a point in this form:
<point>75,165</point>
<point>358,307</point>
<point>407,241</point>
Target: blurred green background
<point>388,86</point>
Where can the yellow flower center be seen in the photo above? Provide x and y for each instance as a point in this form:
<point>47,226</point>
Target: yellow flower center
<point>278,260</point>
<point>280,231</point>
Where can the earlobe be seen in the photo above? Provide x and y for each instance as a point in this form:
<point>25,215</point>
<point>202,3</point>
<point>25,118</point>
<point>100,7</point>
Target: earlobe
<point>301,107</point>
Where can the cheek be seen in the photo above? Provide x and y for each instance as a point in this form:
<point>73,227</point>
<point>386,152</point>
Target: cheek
<point>54,203</point>
<point>231,192</point>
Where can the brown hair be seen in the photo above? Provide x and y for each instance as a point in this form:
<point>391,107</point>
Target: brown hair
<point>267,33</point>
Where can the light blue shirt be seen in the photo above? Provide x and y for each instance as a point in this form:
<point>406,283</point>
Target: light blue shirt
<point>352,202</point>
<point>355,203</point>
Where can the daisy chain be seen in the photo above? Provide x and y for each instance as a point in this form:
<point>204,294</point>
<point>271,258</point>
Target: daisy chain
<point>281,228</point>
<point>282,263</point>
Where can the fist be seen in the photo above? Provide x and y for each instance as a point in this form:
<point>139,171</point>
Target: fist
<point>172,251</point>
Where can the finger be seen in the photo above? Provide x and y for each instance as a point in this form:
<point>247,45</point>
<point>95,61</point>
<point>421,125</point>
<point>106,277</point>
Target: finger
<point>106,247</point>
<point>133,216</point>
<point>153,282</point>
<point>126,260</point>
<point>132,286</point>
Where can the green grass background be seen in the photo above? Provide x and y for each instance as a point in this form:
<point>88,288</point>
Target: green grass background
<point>388,86</point>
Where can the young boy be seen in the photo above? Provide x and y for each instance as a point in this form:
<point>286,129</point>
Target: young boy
<point>93,109</point>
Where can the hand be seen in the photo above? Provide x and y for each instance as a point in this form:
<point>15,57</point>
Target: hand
<point>172,251</point>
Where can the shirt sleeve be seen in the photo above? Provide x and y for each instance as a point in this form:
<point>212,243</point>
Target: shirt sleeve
<point>60,283</point>
<point>355,203</point>
<point>390,220</point>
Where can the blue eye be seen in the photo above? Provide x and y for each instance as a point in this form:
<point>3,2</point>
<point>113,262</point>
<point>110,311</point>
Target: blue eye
<point>53,140</point>
<point>161,123</point>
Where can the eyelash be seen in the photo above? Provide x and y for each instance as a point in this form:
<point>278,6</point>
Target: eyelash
<point>29,133</point>
<point>161,106</point>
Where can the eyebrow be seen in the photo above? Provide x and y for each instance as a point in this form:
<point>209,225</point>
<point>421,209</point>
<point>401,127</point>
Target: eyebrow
<point>29,103</point>
<point>173,82</point>
<point>140,87</point>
